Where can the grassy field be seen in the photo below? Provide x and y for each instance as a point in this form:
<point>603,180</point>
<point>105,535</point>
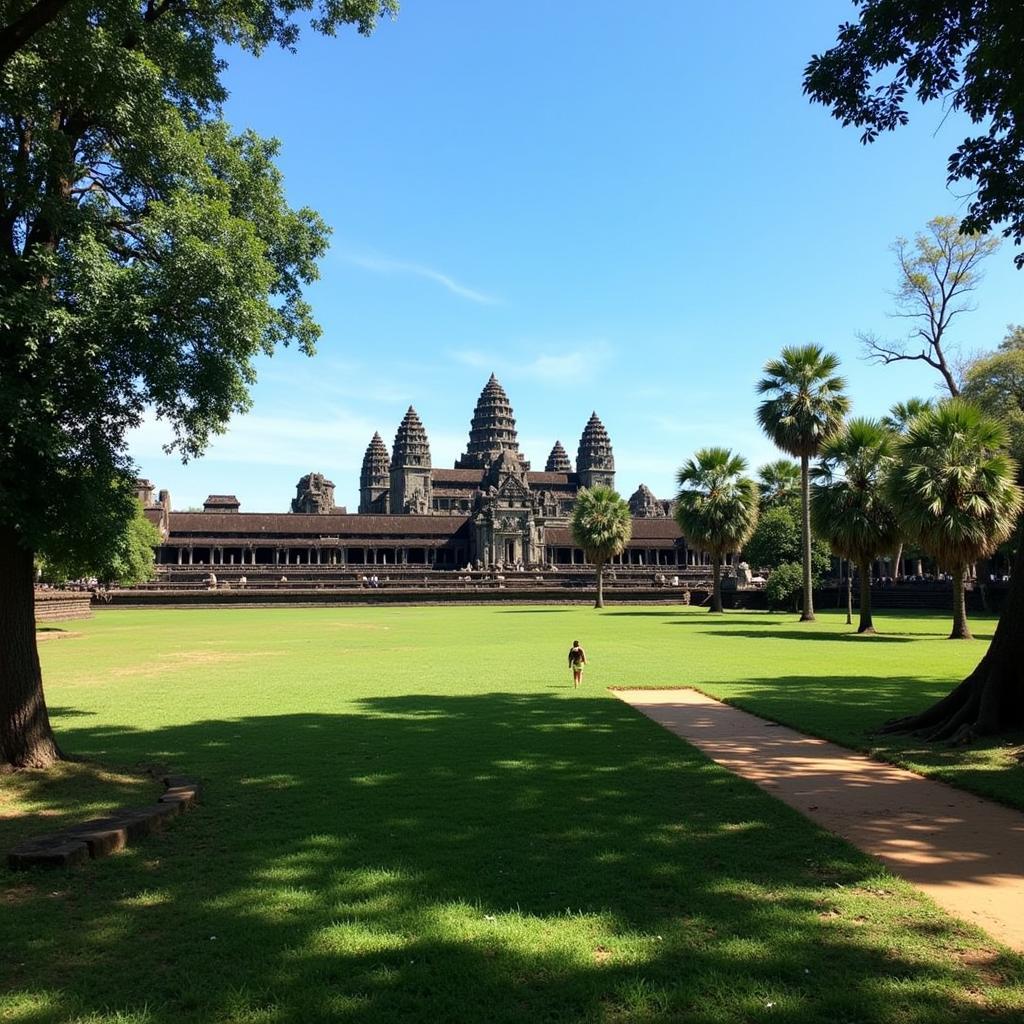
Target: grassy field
<point>409,815</point>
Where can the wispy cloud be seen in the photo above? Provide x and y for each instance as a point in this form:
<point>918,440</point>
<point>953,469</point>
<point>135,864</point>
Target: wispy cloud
<point>382,265</point>
<point>579,363</point>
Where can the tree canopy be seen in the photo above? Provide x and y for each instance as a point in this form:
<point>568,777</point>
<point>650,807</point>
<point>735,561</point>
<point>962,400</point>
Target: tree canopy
<point>955,491</point>
<point>966,55</point>
<point>995,383</point>
<point>602,525</point>
<point>716,507</point>
<point>147,256</point>
<point>804,405</point>
<point>937,273</point>
<point>850,504</point>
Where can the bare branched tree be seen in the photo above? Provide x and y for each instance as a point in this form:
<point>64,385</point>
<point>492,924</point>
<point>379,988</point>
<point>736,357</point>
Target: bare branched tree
<point>937,273</point>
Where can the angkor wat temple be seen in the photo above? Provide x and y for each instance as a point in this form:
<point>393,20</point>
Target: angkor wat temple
<point>489,511</point>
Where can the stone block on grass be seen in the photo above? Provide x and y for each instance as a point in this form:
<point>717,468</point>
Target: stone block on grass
<point>182,782</point>
<point>184,796</point>
<point>103,836</point>
<point>57,851</point>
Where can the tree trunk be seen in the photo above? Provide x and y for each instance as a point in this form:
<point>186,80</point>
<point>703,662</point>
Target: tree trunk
<point>805,529</point>
<point>991,699</point>
<point>849,593</point>
<point>866,625</point>
<point>599,603</point>
<point>716,582</point>
<point>896,562</point>
<point>26,739</point>
<point>961,631</point>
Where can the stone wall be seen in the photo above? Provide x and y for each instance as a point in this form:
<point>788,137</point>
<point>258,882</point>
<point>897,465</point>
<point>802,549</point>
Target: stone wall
<point>53,605</point>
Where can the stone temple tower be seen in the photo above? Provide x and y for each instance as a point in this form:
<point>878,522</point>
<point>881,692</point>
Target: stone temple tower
<point>595,463</point>
<point>375,478</point>
<point>410,468</point>
<point>558,460</point>
<point>492,430</point>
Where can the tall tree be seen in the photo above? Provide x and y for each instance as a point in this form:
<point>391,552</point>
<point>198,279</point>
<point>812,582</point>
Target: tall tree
<point>898,419</point>
<point>779,482</point>
<point>966,55</point>
<point>995,383</point>
<point>955,491</point>
<point>937,273</point>
<point>804,407</point>
<point>602,525</point>
<point>849,502</point>
<point>147,256</point>
<point>716,508</point>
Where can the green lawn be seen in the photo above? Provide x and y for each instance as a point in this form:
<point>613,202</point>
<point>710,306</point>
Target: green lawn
<point>410,816</point>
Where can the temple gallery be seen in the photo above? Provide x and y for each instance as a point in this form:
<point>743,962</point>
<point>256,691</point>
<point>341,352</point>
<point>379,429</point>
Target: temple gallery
<point>489,511</point>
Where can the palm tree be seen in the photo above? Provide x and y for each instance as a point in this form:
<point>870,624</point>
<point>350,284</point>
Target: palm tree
<point>849,503</point>
<point>601,525</point>
<point>954,490</point>
<point>902,413</point>
<point>804,407</point>
<point>897,421</point>
<point>716,507</point>
<point>779,481</point>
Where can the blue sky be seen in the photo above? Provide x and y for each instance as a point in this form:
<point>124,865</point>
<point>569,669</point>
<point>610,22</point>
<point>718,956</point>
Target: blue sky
<point>614,208</point>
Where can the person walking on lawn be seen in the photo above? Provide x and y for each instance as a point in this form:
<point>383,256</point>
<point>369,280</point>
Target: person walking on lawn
<point>577,659</point>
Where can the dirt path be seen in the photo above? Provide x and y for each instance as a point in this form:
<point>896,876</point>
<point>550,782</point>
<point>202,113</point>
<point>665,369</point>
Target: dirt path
<point>966,853</point>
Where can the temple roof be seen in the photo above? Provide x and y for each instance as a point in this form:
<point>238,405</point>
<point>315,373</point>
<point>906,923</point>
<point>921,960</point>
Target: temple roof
<point>656,533</point>
<point>288,524</point>
<point>376,462</point>
<point>221,503</point>
<point>595,449</point>
<point>492,429</point>
<point>558,460</point>
<point>411,445</point>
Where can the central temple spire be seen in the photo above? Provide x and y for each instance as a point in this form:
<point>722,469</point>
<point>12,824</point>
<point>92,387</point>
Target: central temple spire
<point>492,430</point>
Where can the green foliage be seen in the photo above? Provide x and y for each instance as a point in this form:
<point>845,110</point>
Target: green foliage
<point>966,55</point>
<point>995,383</point>
<point>779,482</point>
<point>954,487</point>
<point>784,585</point>
<point>850,505</point>
<point>147,253</point>
<point>776,539</point>
<point>601,523</point>
<point>805,402</point>
<point>129,560</point>
<point>901,413</point>
<point>717,506</point>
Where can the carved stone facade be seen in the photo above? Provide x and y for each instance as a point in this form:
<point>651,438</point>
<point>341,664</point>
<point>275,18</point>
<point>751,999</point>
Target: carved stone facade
<point>314,495</point>
<point>644,505</point>
<point>375,478</point>
<point>489,510</point>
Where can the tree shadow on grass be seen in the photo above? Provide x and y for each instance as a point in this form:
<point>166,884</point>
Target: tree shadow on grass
<point>484,858</point>
<point>796,634</point>
<point>851,710</point>
<point>534,611</point>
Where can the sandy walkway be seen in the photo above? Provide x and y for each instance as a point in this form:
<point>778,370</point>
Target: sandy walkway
<point>966,853</point>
